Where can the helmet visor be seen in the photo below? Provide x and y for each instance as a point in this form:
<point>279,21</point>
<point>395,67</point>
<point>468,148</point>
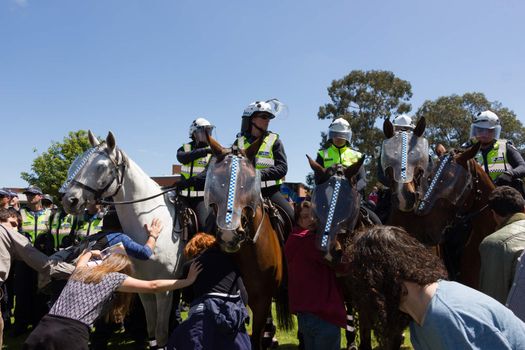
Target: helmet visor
<point>202,132</point>
<point>346,135</point>
<point>477,130</point>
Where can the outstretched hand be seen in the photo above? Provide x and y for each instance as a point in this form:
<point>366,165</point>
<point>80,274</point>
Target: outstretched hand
<point>195,269</point>
<point>155,228</point>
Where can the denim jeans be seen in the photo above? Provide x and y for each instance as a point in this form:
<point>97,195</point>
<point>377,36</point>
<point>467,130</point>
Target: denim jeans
<point>318,333</point>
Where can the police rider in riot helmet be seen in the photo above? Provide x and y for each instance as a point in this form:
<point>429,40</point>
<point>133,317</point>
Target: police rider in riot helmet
<point>498,157</point>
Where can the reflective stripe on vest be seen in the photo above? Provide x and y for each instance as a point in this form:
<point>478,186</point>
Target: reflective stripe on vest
<point>35,227</point>
<point>61,226</point>
<point>264,158</point>
<point>86,228</point>
<point>496,159</point>
<point>192,169</point>
<point>344,156</point>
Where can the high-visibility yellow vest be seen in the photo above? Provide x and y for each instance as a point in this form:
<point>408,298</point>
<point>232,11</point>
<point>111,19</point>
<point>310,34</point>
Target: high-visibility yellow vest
<point>61,225</point>
<point>193,169</point>
<point>344,156</point>
<point>85,228</point>
<point>35,223</point>
<point>496,159</point>
<point>264,157</point>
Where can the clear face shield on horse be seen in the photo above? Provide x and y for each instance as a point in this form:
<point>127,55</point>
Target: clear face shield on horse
<point>449,182</point>
<point>405,157</point>
<point>232,185</point>
<point>336,206</point>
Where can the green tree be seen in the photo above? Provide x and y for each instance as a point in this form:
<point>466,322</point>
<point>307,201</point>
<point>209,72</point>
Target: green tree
<point>449,118</point>
<point>363,98</point>
<point>49,169</point>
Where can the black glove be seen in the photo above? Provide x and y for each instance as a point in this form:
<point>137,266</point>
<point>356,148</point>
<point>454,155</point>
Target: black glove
<point>182,183</point>
<point>505,179</point>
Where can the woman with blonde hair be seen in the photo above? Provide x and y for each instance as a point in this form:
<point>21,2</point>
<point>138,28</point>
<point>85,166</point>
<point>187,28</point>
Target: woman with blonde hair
<point>89,292</point>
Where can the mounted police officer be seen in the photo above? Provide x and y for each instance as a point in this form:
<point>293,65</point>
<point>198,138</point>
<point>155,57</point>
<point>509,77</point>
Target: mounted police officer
<point>339,151</point>
<point>194,157</point>
<point>271,157</point>
<point>498,157</point>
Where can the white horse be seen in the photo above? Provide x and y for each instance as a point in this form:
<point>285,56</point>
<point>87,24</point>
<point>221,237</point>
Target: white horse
<point>105,170</point>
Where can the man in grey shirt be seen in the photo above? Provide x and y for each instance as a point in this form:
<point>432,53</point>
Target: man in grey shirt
<point>14,245</point>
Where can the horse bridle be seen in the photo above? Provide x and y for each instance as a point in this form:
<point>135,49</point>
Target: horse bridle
<point>118,171</point>
<point>472,184</point>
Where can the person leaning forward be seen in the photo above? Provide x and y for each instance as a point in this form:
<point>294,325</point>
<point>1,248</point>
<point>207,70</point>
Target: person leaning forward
<point>13,245</point>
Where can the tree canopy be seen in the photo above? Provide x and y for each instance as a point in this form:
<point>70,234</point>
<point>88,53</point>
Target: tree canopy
<point>49,169</point>
<point>449,118</point>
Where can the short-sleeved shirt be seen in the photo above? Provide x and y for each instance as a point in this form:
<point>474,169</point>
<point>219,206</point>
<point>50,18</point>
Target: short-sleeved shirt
<point>85,302</point>
<point>459,317</point>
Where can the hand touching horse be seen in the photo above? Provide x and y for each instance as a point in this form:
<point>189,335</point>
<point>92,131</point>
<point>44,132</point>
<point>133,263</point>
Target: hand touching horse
<point>106,171</point>
<point>244,228</point>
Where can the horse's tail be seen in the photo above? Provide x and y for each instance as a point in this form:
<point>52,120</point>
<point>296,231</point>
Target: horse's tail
<point>282,304</point>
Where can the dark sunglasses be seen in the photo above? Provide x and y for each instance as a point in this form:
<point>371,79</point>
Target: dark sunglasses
<point>264,116</point>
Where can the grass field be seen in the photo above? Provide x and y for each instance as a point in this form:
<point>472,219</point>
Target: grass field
<point>287,339</point>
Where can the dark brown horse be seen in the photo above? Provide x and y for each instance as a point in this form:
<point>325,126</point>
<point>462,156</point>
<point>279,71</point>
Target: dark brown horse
<point>455,213</point>
<point>244,229</point>
<point>336,205</point>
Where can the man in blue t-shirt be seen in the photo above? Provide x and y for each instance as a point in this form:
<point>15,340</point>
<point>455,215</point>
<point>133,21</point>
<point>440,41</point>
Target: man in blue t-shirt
<point>404,284</point>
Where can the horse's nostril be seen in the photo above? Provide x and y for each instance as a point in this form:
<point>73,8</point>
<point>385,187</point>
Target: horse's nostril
<point>73,201</point>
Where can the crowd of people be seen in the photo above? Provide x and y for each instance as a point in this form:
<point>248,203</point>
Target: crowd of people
<point>88,259</point>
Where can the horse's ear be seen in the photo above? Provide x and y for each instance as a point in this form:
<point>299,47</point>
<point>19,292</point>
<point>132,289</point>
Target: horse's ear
<point>316,167</point>
<point>353,169</point>
<point>111,142</point>
<point>469,153</point>
<point>93,140</point>
<point>420,127</point>
<point>440,150</point>
<point>388,128</point>
<point>215,146</point>
<point>251,151</point>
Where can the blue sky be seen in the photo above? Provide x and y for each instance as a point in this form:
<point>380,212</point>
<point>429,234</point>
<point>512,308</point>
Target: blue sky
<point>146,69</point>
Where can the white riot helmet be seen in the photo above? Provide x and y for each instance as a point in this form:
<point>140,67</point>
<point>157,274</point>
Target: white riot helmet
<point>200,124</point>
<point>272,108</point>
<point>483,121</point>
<point>340,128</point>
<point>403,122</point>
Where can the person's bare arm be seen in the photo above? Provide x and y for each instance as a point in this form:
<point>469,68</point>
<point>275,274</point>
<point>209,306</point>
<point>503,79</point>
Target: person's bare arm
<point>134,285</point>
<point>83,259</point>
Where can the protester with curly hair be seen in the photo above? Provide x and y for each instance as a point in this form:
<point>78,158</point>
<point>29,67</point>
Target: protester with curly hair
<point>88,293</point>
<point>401,282</point>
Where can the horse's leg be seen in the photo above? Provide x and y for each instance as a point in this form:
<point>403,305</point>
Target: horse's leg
<point>261,311</point>
<point>163,305</point>
<point>365,330</point>
<point>150,309</point>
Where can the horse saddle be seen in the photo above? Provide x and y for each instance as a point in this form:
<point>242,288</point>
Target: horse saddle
<point>281,222</point>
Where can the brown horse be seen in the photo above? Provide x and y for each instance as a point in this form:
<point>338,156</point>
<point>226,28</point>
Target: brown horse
<point>405,164</point>
<point>457,198</point>
<point>244,229</point>
<point>336,205</point>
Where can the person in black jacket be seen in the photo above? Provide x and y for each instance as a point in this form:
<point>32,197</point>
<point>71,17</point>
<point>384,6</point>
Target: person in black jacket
<point>217,315</point>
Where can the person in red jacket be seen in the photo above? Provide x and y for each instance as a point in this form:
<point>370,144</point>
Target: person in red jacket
<point>315,296</point>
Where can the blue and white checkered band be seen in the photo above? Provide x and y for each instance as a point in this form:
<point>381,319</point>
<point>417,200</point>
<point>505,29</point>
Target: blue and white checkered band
<point>434,182</point>
<point>76,166</point>
<point>231,190</point>
<point>333,203</point>
<point>404,154</point>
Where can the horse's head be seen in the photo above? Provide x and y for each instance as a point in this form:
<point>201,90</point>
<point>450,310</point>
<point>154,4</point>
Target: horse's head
<point>94,175</point>
<point>233,189</point>
<point>336,205</point>
<point>457,184</point>
<point>404,160</point>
